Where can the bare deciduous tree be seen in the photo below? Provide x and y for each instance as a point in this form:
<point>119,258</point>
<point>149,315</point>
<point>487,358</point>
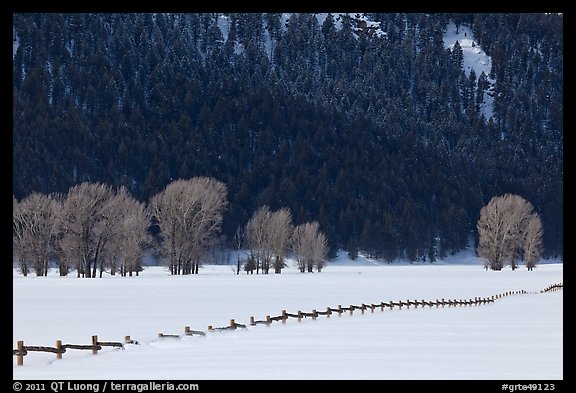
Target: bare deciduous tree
<point>320,251</point>
<point>310,246</point>
<point>280,231</point>
<point>257,237</point>
<point>501,229</point>
<point>533,241</point>
<point>35,225</point>
<point>268,235</point>
<point>189,214</point>
<point>89,220</point>
<point>17,241</point>
<point>134,237</point>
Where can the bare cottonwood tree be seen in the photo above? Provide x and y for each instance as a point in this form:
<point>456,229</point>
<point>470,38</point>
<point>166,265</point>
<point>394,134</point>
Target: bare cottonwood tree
<point>17,233</point>
<point>134,237</point>
<point>268,235</point>
<point>35,226</point>
<point>257,237</point>
<point>110,228</point>
<point>280,229</point>
<point>310,246</point>
<point>86,216</point>
<point>533,241</point>
<point>320,251</point>
<point>501,230</point>
<point>189,214</point>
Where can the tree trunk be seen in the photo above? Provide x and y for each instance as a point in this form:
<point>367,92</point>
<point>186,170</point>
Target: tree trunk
<point>62,269</point>
<point>39,268</point>
<point>95,267</point>
<point>238,266</point>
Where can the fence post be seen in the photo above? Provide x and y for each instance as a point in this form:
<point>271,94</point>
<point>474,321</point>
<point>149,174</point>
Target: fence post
<point>127,339</point>
<point>351,309</point>
<point>442,302</point>
<point>408,304</point>
<point>299,316</point>
<point>268,320</point>
<point>233,324</point>
<point>186,329</point>
<point>372,308</point>
<point>381,306</point>
<point>284,316</point>
<point>251,320</point>
<point>362,308</point>
<point>94,345</point>
<point>328,312</point>
<point>59,347</point>
<point>314,315</point>
<point>209,328</point>
<point>339,310</point>
<point>20,357</point>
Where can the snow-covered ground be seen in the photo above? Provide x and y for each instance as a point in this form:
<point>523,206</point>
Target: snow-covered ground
<point>474,59</point>
<point>518,337</point>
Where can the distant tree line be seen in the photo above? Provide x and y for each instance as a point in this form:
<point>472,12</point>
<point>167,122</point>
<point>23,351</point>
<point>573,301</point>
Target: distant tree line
<point>95,228</point>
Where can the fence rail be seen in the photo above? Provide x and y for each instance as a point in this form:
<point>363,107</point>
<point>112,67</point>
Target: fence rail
<point>22,350</point>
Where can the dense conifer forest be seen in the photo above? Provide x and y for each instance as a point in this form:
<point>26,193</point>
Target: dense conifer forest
<point>366,124</point>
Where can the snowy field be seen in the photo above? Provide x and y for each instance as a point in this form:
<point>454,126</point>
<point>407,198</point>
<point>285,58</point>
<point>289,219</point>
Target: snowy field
<point>518,337</point>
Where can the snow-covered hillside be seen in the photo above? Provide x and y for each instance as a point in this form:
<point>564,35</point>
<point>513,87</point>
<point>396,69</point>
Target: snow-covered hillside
<point>524,331</point>
<point>360,19</point>
<point>474,59</point>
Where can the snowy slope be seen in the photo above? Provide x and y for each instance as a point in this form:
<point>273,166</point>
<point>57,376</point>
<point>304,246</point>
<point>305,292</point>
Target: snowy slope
<point>474,59</point>
<point>449,343</point>
<point>15,45</point>
<point>359,18</point>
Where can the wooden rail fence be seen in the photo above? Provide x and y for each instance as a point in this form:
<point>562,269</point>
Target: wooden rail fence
<point>22,350</point>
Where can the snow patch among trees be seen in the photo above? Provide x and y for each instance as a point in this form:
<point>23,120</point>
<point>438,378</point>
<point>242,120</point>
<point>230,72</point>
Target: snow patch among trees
<point>474,58</point>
